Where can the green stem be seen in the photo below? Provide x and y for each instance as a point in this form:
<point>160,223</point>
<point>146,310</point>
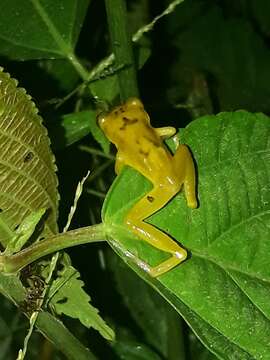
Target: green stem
<point>108,61</point>
<point>14,263</point>
<point>97,152</point>
<point>51,327</point>
<point>122,47</point>
<point>78,66</point>
<point>63,340</point>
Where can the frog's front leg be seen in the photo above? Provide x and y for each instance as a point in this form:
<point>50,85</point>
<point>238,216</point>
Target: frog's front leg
<point>119,163</point>
<point>184,167</point>
<point>148,205</point>
<point>165,132</point>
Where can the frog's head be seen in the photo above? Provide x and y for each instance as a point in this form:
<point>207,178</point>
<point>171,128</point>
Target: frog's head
<point>122,119</point>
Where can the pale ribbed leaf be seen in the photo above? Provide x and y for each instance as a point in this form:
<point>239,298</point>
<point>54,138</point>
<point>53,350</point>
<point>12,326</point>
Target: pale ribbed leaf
<point>27,170</point>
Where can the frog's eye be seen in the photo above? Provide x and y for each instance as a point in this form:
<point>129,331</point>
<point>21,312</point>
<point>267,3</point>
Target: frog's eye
<point>134,102</point>
<point>101,119</point>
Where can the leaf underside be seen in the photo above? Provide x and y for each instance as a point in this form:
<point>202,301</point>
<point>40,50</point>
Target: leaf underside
<point>222,290</point>
<point>27,167</point>
<point>28,184</point>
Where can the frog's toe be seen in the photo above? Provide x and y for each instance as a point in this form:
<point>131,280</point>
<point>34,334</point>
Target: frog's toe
<point>193,204</point>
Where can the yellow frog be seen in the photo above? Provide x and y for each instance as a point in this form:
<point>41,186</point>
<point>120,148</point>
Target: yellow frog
<point>141,146</point>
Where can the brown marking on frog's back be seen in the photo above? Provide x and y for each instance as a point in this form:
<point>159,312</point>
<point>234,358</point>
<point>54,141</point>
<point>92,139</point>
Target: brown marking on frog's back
<point>127,121</point>
<point>144,153</point>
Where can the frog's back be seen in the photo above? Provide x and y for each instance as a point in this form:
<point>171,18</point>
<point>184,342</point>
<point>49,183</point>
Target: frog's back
<point>147,154</point>
<point>128,127</point>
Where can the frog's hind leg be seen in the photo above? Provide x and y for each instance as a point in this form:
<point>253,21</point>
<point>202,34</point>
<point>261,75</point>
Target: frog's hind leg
<point>184,167</point>
<point>148,205</point>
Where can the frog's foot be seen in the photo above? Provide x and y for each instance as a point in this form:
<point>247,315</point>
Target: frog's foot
<point>155,271</point>
<point>160,241</point>
<point>169,264</point>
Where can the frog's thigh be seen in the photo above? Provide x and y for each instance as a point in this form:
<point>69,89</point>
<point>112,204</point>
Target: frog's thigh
<point>152,202</point>
<point>184,165</point>
<point>148,205</point>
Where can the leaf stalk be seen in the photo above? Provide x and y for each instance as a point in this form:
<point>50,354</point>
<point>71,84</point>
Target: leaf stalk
<point>14,263</point>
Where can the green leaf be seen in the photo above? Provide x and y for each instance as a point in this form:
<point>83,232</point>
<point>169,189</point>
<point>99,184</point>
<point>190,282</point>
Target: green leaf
<point>61,338</point>
<point>107,87</point>
<point>62,72</point>
<point>37,29</point>
<point>27,168</point>
<point>160,324</point>
<point>5,339</point>
<point>68,297</point>
<point>99,135</point>
<point>220,290</point>
<point>12,288</point>
<point>197,350</point>
<point>132,350</point>
<point>228,49</point>
<point>28,185</point>
<point>71,128</point>
<point>260,11</point>
<point>24,232</point>
<point>74,127</point>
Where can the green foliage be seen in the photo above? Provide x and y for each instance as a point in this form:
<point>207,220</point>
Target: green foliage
<point>76,125</point>
<point>196,58</point>
<point>157,319</point>
<point>24,232</point>
<point>228,49</point>
<point>52,39</point>
<point>227,236</point>
<point>98,135</point>
<point>67,296</point>
<point>39,188</point>
<point>26,159</point>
